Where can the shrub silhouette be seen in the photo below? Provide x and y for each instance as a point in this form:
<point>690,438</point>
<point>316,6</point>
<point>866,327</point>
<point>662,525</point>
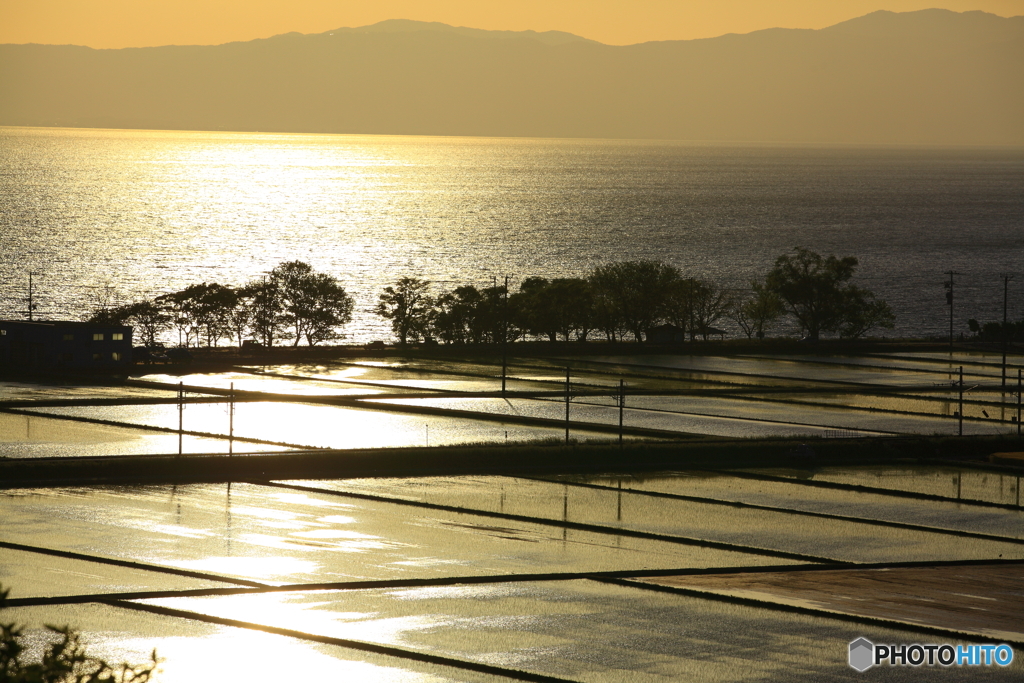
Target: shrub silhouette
<point>64,661</point>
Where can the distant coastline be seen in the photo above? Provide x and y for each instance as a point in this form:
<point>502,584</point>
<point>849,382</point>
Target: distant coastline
<point>859,82</point>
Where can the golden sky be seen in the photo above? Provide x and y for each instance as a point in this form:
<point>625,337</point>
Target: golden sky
<point>138,23</point>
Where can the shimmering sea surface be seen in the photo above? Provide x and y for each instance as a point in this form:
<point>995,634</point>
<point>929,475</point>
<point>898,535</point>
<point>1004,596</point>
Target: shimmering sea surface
<point>148,212</point>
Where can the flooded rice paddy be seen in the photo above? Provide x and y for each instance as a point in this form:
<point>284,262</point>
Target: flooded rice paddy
<point>501,578</point>
<point>367,404</point>
<point>479,578</point>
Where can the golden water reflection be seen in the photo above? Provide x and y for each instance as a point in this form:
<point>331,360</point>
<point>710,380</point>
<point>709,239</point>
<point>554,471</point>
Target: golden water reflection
<point>192,651</point>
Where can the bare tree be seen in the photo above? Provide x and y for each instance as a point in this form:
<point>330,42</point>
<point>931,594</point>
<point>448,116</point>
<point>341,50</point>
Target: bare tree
<point>758,310</point>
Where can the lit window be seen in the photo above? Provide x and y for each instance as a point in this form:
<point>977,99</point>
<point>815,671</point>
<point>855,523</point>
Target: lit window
<point>117,336</point>
<point>97,336</point>
<point>116,355</point>
<point>69,337</point>
<point>3,333</point>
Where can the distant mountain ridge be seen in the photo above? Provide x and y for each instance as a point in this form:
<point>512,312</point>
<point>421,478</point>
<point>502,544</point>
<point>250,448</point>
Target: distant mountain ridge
<point>409,26</point>
<point>932,77</point>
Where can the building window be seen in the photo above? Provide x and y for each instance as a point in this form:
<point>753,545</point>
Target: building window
<point>117,336</point>
<point>66,358</point>
<point>97,336</point>
<point>3,333</point>
<point>69,337</point>
<point>116,355</point>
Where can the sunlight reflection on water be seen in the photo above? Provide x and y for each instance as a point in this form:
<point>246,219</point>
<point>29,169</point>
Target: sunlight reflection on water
<point>196,652</point>
<point>154,211</point>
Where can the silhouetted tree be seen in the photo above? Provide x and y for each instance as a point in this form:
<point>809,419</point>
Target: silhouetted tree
<point>471,315</point>
<point>105,309</point>
<point>314,305</point>
<point>114,315</point>
<point>199,308</point>
<point>240,319</point>
<point>549,308</point>
<point>213,309</point>
<point>709,303</point>
<point>494,317</point>
<point>408,306</point>
<point>996,331</point>
<point>455,316</point>
<point>148,319</point>
<point>176,308</point>
<point>862,312</point>
<point>605,311</point>
<point>264,312</point>
<point>756,312</point>
<point>816,291</point>
<point>633,293</point>
<point>534,311</point>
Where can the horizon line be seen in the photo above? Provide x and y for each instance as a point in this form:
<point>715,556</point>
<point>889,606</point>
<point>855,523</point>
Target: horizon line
<point>510,31</point>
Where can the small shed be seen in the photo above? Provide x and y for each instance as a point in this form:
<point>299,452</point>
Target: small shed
<point>666,334</point>
<point>56,346</point>
<point>711,332</point>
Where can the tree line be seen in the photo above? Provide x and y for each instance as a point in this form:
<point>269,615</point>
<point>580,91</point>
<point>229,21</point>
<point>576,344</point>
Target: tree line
<point>997,331</point>
<point>617,301</point>
<point>628,299</point>
<point>293,302</point>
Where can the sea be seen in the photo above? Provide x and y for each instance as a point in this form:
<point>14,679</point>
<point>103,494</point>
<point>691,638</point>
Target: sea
<point>112,216</point>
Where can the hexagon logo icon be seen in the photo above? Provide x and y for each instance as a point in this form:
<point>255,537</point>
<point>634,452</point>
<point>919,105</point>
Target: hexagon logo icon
<point>862,654</point>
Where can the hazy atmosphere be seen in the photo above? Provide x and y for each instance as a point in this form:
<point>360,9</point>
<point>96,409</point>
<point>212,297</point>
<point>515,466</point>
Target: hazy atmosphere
<point>577,341</point>
<point>925,77</point>
<point>124,23</point>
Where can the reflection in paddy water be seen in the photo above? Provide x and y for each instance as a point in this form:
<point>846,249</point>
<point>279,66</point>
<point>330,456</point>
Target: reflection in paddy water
<point>949,482</point>
<point>281,537</point>
<point>195,652</point>
<point>579,630</point>
<point>38,436</point>
<point>863,504</point>
<point>317,426</point>
<point>574,629</point>
<point>841,540</point>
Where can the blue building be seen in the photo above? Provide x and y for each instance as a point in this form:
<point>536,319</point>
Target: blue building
<point>56,346</point>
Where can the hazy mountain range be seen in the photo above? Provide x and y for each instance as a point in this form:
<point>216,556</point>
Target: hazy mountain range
<point>932,76</point>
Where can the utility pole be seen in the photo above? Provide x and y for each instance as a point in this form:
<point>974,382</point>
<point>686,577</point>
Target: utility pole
<point>266,311</point>
<point>949,300</point>
<point>504,340</point>
<point>1018,408</point>
<point>960,411</point>
<point>31,297</point>
<point>1006,332</point>
<point>622,406</point>
<point>181,413</point>
<point>689,305</point>
<point>231,421</point>
<point>567,406</point>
